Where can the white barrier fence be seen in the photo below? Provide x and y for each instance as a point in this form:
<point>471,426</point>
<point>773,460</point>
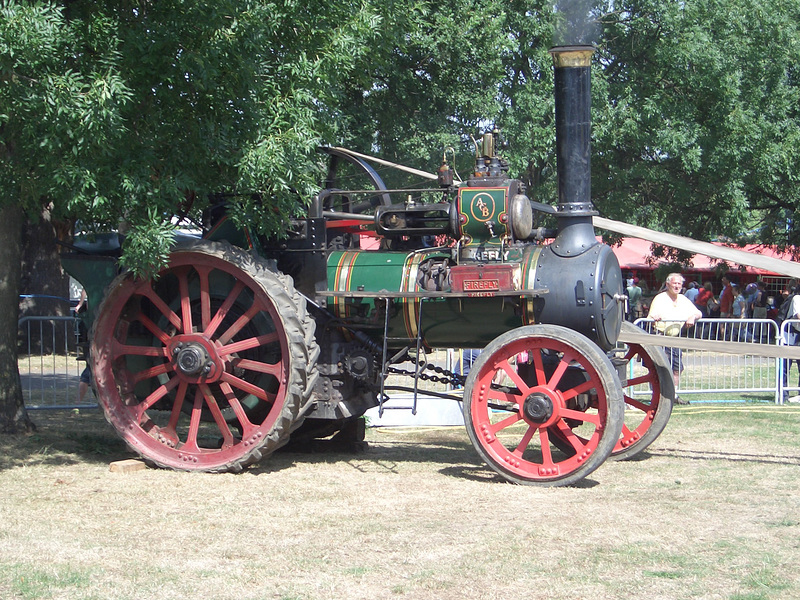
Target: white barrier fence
<point>725,376</point>
<point>789,370</point>
<point>51,380</point>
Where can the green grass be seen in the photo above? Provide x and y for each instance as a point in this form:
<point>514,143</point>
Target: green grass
<point>40,582</point>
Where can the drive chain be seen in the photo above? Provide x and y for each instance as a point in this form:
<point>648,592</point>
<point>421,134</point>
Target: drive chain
<point>444,376</point>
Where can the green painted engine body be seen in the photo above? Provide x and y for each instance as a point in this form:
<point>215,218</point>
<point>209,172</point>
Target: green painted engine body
<point>443,320</point>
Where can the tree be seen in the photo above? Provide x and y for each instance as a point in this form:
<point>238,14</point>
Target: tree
<point>429,80</point>
<point>696,118</point>
<point>44,286</point>
<point>53,111</point>
<point>695,104</point>
<point>126,109</point>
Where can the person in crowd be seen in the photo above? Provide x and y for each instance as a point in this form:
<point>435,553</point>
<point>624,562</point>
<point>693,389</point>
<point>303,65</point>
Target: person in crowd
<point>86,375</point>
<point>786,292</point>
<point>739,304</point>
<point>739,331</point>
<point>726,299</point>
<point>760,302</point>
<point>704,301</point>
<point>84,384</point>
<point>634,300</point>
<point>692,291</point>
<point>791,338</point>
<point>725,309</point>
<point>750,295</point>
<point>466,359</point>
<point>703,296</point>
<point>671,311</point>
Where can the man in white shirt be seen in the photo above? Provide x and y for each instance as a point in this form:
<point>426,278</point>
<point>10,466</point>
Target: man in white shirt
<point>672,311</point>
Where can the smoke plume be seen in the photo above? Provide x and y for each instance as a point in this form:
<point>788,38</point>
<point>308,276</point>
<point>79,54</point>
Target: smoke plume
<point>576,23</point>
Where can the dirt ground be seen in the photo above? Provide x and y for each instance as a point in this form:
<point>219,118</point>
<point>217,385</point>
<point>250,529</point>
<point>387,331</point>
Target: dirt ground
<point>712,511</point>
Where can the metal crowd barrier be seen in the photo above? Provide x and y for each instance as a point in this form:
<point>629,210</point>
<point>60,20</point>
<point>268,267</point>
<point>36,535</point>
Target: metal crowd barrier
<point>789,369</point>
<point>50,378</point>
<point>756,370</point>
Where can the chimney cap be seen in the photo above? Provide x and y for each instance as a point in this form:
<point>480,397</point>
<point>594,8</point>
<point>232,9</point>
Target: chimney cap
<point>572,56</point>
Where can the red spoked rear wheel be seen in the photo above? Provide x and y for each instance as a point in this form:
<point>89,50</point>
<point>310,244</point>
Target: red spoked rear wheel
<point>543,405</point>
<point>208,366</point>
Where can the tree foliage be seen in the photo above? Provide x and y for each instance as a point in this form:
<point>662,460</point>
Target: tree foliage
<point>695,118</point>
<point>59,104</point>
<point>132,110</point>
<point>428,81</point>
<point>125,113</point>
<point>698,130</point>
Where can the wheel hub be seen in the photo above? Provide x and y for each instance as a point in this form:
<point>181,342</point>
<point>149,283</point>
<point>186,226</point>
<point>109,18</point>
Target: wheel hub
<point>195,358</point>
<point>538,407</point>
<point>191,359</point>
<point>359,364</point>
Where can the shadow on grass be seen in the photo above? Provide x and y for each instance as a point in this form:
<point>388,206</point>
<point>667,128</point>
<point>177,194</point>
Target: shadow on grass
<point>384,455</point>
<point>457,456</point>
<point>71,437</point>
<point>484,474</point>
<point>84,437</point>
<point>767,459</point>
<point>63,438</point>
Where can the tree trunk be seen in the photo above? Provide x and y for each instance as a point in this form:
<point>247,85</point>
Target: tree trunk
<point>13,416</point>
<point>43,284</point>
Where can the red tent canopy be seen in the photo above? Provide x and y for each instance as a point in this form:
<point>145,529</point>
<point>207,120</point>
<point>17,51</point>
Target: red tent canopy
<point>633,253</point>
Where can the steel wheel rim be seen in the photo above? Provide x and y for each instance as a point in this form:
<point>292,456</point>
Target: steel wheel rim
<point>223,354</point>
<point>646,408</point>
<point>512,437</point>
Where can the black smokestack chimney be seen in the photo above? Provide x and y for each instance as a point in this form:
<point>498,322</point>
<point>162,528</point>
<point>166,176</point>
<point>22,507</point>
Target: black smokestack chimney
<point>573,134</point>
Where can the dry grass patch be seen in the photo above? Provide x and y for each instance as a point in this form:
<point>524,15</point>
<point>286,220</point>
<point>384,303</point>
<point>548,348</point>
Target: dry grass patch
<point>712,512</point>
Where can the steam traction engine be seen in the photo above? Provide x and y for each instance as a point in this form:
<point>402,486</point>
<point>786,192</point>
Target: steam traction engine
<point>242,343</point>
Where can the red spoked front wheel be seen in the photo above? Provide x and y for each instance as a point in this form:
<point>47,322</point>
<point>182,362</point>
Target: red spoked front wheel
<point>543,405</point>
<point>207,367</point>
<point>649,392</point>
